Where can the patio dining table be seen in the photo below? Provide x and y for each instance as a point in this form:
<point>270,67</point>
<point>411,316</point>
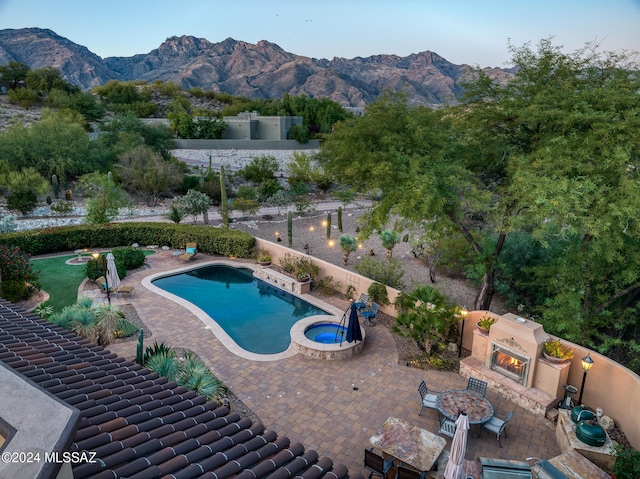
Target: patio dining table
<point>452,402</point>
<point>408,443</point>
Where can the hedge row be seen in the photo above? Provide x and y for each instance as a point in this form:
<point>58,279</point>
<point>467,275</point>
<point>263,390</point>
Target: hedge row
<point>66,238</point>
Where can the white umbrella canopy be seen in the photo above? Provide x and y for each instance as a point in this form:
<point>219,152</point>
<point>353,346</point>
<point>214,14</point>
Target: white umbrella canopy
<point>113,280</point>
<point>458,449</point>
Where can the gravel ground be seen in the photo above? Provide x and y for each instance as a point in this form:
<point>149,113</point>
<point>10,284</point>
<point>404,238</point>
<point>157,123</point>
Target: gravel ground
<point>308,230</point>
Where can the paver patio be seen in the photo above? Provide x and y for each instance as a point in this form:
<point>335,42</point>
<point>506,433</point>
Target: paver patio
<point>333,407</point>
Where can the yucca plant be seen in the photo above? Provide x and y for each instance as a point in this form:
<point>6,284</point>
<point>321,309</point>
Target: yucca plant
<point>106,318</point>
<point>156,349</point>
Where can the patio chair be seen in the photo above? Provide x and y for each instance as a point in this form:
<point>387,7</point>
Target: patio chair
<point>427,400</point>
<point>406,473</point>
<point>102,282</point>
<point>190,251</point>
<point>477,385</point>
<point>122,289</point>
<point>376,464</point>
<point>447,427</point>
<point>497,426</point>
<point>362,302</point>
<point>371,313</point>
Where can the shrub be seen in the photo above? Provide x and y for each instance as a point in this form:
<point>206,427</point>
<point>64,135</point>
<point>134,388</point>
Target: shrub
<point>378,293</point>
<point>627,464</point>
<point>62,207</point>
<point>225,242</point>
<point>299,133</point>
<point>293,265</point>
<point>125,328</point>
<point>132,258</point>
<point>259,169</point>
<point>23,201</point>
<point>8,224</point>
<point>16,267</point>
<point>15,291</point>
<point>386,272</point>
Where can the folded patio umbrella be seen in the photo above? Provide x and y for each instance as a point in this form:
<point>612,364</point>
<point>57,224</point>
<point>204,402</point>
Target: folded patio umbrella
<point>113,280</point>
<point>353,326</point>
<point>458,449</point>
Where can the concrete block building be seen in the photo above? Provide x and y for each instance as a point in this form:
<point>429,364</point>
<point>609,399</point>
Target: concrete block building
<point>252,126</point>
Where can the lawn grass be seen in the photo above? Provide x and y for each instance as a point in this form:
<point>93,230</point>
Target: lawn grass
<point>61,280</point>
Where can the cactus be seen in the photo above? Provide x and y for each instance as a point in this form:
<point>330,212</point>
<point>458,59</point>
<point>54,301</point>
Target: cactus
<point>140,348</point>
<point>329,225</point>
<point>224,211</point>
<point>68,195</point>
<point>290,228</point>
<point>56,186</point>
<point>110,179</point>
<point>340,219</point>
<point>49,200</point>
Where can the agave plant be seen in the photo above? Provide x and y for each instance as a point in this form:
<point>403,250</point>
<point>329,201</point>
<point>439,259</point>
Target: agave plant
<point>83,322</point>
<point>203,382</point>
<point>165,364</point>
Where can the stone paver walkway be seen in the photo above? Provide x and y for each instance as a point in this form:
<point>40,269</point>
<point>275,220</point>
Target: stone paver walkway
<point>333,407</point>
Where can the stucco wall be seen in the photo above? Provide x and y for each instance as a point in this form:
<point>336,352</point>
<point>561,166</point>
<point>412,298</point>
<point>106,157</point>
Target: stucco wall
<point>344,276</point>
<point>609,385</point>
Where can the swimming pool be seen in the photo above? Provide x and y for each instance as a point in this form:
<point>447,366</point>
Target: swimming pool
<point>257,316</point>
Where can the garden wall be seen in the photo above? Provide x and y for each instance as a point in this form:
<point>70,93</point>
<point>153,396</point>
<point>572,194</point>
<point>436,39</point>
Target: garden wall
<point>339,274</point>
<point>609,385</point>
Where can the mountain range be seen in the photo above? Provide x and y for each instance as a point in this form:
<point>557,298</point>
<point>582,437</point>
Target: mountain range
<point>262,70</point>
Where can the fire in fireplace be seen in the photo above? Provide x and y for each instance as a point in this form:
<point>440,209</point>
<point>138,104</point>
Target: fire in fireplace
<point>509,363</point>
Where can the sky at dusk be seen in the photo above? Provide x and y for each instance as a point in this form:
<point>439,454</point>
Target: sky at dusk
<point>474,32</point>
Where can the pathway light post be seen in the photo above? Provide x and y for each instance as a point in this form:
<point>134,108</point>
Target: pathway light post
<point>587,362</point>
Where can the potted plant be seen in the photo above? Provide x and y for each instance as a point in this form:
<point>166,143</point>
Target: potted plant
<point>485,324</point>
<point>264,257</point>
<point>557,352</point>
<point>302,276</point>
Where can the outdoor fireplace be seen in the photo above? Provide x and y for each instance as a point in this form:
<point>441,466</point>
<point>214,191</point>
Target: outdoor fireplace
<point>509,363</point>
<point>513,348</point>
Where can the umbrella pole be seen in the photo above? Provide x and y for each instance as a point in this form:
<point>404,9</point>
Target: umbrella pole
<point>343,324</point>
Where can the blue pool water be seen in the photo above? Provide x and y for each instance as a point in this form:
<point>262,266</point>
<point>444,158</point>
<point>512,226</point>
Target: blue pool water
<point>256,315</point>
<point>326,333</point>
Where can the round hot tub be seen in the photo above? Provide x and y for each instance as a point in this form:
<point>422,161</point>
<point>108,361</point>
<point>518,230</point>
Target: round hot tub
<point>326,333</point>
<point>323,337</point>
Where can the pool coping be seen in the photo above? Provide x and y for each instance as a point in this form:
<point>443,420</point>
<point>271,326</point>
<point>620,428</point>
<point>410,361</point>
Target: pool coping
<point>216,329</point>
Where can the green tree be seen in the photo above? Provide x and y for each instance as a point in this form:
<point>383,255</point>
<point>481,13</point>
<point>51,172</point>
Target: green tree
<point>194,203</point>
<point>24,186</point>
<point>57,144</point>
<point>14,74</point>
<point>301,168</point>
<point>567,128</point>
<point>105,198</point>
<point>143,171</point>
<point>44,80</point>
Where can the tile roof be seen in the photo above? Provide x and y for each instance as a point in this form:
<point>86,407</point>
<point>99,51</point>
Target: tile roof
<point>140,425</point>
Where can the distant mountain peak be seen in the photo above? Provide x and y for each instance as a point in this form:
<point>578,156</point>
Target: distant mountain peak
<point>262,70</point>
